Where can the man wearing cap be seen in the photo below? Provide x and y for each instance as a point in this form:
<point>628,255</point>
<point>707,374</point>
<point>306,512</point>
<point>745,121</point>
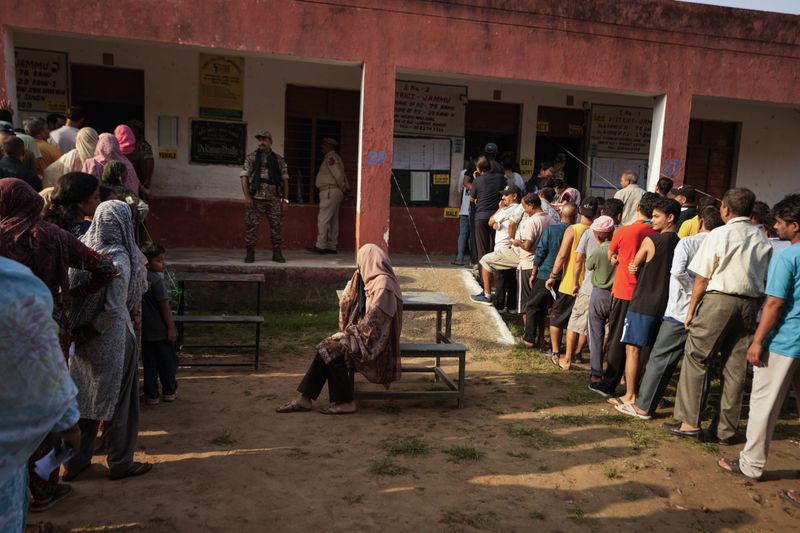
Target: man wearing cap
<point>685,196</point>
<point>333,186</point>
<point>265,180</point>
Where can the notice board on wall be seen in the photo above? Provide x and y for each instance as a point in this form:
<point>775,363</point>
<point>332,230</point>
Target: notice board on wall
<point>42,80</point>
<point>215,142</point>
<point>429,109</point>
<point>421,168</point>
<point>611,168</point>
<point>221,86</point>
<point>620,130</point>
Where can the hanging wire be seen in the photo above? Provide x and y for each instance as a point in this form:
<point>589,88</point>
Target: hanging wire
<point>414,224</point>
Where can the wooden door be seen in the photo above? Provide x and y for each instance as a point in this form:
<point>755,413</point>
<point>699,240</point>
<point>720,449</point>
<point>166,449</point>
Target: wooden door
<point>710,153</point>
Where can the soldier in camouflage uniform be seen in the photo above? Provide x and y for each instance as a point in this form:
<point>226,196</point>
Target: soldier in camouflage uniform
<point>264,191</point>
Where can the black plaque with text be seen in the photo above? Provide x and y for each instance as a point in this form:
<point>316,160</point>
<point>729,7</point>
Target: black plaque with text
<point>218,143</point>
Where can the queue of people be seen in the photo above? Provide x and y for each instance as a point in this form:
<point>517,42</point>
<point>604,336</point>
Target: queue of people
<point>84,303</point>
<point>652,282</point>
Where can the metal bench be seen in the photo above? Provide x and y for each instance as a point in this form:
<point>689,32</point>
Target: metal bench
<point>433,351</point>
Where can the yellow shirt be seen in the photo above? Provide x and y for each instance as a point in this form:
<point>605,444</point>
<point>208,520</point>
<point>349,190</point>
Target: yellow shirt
<point>689,227</point>
<point>567,281</point>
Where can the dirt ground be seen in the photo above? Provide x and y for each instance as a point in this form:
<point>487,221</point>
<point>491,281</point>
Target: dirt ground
<point>531,450</point>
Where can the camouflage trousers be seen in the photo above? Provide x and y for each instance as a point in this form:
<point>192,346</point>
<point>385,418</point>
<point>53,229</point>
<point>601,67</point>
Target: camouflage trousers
<point>269,207</point>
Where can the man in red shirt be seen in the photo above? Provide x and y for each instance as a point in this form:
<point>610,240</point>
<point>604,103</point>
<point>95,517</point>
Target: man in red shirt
<point>621,251</point>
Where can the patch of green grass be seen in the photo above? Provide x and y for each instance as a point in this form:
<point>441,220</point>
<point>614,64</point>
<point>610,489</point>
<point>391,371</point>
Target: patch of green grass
<point>387,467</point>
<point>639,436</point>
<point>584,419</point>
<point>708,447</point>
<point>463,453</point>
<point>478,520</point>
<point>277,322</point>
<point>518,455</point>
<point>404,445</point>
<point>577,515</point>
<point>580,397</point>
<point>536,515</point>
<point>539,438</point>
<point>224,439</point>
<point>611,472</point>
<point>353,499</point>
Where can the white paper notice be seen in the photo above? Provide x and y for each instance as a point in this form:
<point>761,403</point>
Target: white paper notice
<point>420,186</point>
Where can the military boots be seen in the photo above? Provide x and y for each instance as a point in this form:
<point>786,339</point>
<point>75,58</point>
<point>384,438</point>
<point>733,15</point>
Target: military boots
<point>277,256</point>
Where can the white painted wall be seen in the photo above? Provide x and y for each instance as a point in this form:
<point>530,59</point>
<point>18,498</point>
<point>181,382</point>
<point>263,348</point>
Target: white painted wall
<point>171,88</point>
<point>769,158</point>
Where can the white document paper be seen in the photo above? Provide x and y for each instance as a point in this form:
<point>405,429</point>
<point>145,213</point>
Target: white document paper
<point>45,466</point>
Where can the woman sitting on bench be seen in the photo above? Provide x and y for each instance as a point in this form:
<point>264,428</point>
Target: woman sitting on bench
<point>368,340</point>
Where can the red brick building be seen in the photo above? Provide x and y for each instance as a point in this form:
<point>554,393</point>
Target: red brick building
<point>700,93</point>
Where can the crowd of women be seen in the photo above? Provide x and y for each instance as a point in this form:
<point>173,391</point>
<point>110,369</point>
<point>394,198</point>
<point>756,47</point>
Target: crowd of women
<point>72,279</point>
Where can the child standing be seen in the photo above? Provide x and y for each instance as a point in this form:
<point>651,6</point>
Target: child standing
<point>158,332</point>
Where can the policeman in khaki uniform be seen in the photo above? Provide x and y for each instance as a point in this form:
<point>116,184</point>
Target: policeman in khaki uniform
<point>333,186</point>
<point>265,182</point>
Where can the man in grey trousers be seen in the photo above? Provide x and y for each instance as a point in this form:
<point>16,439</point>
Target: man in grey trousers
<point>730,267</point>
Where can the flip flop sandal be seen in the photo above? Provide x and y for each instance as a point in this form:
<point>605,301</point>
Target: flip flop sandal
<point>733,468</point>
<point>787,495</point>
<point>628,409</point>
<point>615,400</point>
<point>136,469</point>
<point>292,407</point>
<point>334,410</point>
<point>556,360</point>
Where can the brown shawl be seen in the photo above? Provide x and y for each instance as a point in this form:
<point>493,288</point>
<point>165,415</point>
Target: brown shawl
<point>370,320</point>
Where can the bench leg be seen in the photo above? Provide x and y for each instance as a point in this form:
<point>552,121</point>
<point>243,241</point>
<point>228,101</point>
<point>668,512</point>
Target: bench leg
<point>258,346</point>
<point>461,381</point>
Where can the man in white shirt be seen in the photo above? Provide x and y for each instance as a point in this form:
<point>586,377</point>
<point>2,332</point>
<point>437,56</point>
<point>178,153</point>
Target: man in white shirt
<point>669,345</point>
<point>730,268</point>
<point>64,137</point>
<point>503,257</point>
<point>630,194</point>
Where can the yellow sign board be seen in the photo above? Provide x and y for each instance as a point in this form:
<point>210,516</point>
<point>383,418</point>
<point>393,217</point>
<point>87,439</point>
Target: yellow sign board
<point>221,89</point>
<point>168,153</point>
<point>575,130</point>
<point>451,212</point>
<point>526,166</point>
<point>441,179</point>
<point>543,126</point>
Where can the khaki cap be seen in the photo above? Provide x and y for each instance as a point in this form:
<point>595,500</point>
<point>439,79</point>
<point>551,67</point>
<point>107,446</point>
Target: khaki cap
<point>263,133</point>
<point>330,140</point>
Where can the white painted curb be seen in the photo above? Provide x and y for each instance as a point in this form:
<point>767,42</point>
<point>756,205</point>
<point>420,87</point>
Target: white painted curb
<point>504,336</point>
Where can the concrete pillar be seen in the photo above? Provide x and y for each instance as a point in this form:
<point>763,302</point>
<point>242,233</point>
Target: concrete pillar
<point>668,138</point>
<point>8,77</point>
<point>375,153</point>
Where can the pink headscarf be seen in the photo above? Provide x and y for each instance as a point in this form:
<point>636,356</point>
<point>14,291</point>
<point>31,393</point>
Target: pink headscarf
<point>107,150</point>
<point>380,283</point>
<point>125,138</point>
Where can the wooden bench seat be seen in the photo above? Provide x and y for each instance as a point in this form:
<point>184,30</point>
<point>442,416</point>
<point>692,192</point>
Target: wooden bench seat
<point>434,351</point>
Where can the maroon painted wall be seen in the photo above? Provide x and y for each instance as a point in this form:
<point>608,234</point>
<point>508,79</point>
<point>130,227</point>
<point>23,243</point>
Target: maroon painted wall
<point>192,222</point>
